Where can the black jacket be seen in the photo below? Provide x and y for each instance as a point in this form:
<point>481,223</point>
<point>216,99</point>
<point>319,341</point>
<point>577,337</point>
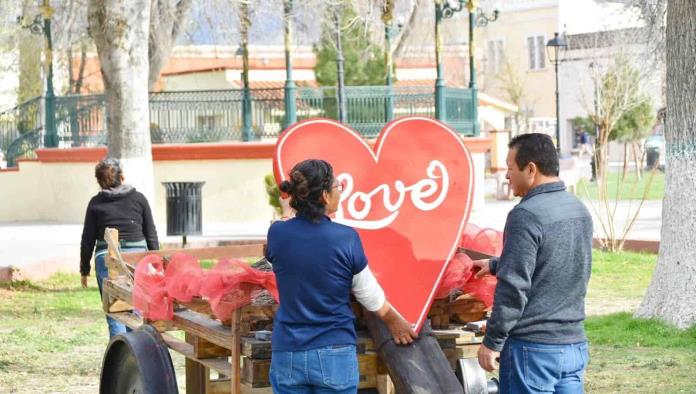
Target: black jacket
<point>122,208</point>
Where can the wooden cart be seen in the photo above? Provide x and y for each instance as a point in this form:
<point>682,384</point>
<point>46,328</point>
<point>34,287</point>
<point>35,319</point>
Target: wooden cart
<point>227,357</point>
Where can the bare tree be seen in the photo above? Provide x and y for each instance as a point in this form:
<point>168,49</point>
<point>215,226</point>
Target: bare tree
<point>120,31</point>
<point>166,22</point>
<point>671,294</point>
<point>618,90</point>
<point>513,85</point>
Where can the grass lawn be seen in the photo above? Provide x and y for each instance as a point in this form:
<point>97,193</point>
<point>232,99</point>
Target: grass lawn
<point>53,335</point>
<point>630,189</point>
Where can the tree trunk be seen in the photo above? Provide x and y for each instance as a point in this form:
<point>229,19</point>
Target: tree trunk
<point>638,159</point>
<point>120,30</point>
<point>166,18</point>
<point>625,162</point>
<point>672,294</point>
<point>81,73</point>
<point>400,42</point>
<point>600,160</point>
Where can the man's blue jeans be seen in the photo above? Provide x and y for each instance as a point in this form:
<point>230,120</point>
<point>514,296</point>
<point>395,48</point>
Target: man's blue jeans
<point>332,369</point>
<point>115,327</point>
<point>529,367</point>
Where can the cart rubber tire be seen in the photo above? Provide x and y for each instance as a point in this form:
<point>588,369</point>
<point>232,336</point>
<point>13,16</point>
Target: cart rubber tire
<point>138,362</point>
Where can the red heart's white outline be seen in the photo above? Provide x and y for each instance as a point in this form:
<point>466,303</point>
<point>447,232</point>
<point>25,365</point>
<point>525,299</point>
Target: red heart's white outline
<point>378,146</point>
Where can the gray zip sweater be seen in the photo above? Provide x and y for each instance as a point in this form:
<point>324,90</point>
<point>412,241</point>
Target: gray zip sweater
<point>543,270</point>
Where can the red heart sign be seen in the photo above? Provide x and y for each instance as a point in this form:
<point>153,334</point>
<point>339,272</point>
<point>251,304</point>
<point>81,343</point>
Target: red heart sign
<point>409,198</point>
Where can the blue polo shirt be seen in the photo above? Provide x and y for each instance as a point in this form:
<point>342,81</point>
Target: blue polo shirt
<point>314,264</point>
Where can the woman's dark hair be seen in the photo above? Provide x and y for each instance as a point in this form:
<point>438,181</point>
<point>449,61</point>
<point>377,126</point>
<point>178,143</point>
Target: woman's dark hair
<point>108,173</point>
<point>536,148</point>
<point>306,184</point>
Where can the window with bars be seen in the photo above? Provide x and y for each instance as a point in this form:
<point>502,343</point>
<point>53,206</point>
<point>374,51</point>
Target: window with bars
<point>495,56</point>
<point>536,49</point>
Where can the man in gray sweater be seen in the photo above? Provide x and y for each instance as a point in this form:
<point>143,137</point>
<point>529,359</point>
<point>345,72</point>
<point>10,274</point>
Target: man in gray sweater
<point>536,326</point>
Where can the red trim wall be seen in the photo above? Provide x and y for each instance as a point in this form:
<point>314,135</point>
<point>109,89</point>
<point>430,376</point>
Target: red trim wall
<point>214,151</point>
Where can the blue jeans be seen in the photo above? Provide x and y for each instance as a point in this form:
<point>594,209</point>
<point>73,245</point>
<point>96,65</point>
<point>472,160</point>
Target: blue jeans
<point>332,369</point>
<point>115,327</point>
<point>529,367</point>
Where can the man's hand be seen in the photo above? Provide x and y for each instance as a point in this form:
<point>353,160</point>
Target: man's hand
<point>488,358</point>
<point>484,267</point>
<point>83,281</point>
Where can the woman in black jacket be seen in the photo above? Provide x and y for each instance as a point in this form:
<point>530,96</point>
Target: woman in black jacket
<point>118,206</point>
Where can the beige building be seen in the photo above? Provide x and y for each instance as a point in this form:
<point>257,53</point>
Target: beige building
<point>513,59</point>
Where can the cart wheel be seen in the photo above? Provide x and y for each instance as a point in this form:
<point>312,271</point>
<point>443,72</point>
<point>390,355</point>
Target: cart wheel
<point>138,362</point>
<point>473,378</point>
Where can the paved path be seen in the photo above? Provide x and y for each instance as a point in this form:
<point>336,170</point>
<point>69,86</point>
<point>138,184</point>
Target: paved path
<point>41,249</point>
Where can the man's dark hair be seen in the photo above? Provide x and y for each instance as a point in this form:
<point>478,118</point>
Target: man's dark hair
<point>536,148</point>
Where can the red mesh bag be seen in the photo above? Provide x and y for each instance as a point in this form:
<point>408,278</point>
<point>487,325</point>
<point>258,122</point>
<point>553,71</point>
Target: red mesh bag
<point>149,292</point>
<point>458,272</point>
<point>183,277</point>
<point>228,286</point>
<point>468,235</point>
<point>232,284</point>
<point>487,241</point>
<point>482,289</point>
<point>460,276</point>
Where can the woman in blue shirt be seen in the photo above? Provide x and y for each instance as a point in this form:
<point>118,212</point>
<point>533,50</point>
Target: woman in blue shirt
<point>318,263</point>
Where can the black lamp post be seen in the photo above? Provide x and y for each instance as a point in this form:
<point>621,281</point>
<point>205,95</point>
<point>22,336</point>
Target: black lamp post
<point>477,18</point>
<point>42,25</point>
<point>340,71</point>
<point>555,48</point>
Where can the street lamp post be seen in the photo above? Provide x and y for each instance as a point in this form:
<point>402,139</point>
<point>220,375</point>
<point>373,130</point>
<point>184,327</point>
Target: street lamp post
<point>245,22</point>
<point>555,47</point>
<point>42,25</point>
<point>443,10</point>
<point>477,18</point>
<point>389,32</point>
<point>290,87</point>
<point>339,67</point>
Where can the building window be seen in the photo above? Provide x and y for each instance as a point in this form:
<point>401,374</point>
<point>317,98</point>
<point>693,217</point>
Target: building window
<point>536,49</point>
<point>495,56</point>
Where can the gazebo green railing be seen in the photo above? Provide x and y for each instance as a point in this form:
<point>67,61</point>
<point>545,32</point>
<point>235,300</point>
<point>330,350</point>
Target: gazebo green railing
<point>212,116</point>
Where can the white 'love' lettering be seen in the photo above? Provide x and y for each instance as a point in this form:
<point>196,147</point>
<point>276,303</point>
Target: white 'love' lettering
<point>419,192</point>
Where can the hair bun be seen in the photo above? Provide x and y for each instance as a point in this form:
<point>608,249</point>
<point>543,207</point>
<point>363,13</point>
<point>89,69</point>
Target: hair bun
<point>286,187</point>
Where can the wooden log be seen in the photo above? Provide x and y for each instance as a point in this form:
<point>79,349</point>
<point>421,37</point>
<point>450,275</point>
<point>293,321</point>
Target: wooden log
<point>385,384</point>
<point>418,368</point>
<point>247,389</point>
<point>255,372</point>
<point>196,373</point>
<point>205,349</point>
<point>467,309</point>
<point>367,381</point>
<point>247,249</point>
<point>365,342</point>
<point>256,348</point>
<point>235,356</point>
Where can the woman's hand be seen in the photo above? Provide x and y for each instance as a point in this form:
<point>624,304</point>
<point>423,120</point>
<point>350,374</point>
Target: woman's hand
<point>83,281</point>
<point>400,329</point>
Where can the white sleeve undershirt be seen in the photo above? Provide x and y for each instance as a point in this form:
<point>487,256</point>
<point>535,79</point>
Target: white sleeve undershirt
<point>367,291</point>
